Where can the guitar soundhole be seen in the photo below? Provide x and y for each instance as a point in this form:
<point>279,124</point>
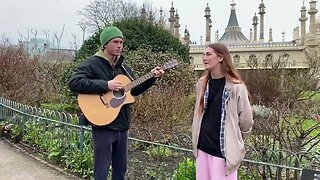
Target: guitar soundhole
<point>118,94</point>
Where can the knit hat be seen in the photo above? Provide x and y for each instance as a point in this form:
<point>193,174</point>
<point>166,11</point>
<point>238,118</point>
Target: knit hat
<point>109,33</point>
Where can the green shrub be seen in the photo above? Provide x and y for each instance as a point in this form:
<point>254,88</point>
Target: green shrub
<point>186,170</point>
<point>161,151</point>
<point>70,108</point>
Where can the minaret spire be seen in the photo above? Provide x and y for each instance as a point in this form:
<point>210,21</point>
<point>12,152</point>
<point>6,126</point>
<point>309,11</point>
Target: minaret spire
<point>143,13</point>
<point>172,19</point>
<point>313,11</point>
<point>186,38</point>
<point>270,35</point>
<point>262,11</point>
<point>255,27</point>
<point>161,20</point>
<point>177,24</point>
<point>207,15</point>
<point>233,4</point>
<point>303,20</point>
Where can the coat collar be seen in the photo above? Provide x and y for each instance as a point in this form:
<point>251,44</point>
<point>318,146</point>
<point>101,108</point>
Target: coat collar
<point>119,60</point>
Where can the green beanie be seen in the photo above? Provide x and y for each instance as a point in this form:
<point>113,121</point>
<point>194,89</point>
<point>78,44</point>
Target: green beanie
<point>109,33</point>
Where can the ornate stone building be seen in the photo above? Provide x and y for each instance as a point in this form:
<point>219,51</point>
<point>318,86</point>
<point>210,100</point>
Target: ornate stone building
<point>252,52</point>
<point>255,51</point>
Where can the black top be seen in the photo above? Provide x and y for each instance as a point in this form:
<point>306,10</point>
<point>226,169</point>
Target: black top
<point>92,77</point>
<point>209,138</point>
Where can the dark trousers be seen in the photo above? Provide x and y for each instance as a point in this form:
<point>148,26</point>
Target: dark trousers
<point>110,148</point>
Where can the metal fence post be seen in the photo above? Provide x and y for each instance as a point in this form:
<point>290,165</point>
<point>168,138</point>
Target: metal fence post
<point>24,120</point>
<point>1,111</point>
<point>81,138</point>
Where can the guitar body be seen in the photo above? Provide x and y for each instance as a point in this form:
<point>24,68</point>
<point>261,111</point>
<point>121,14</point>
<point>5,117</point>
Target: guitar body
<point>102,109</point>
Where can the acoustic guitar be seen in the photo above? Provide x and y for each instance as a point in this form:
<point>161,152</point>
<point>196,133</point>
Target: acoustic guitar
<point>102,109</point>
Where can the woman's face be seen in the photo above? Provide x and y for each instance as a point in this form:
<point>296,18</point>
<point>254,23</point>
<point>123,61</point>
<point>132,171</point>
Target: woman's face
<point>211,60</point>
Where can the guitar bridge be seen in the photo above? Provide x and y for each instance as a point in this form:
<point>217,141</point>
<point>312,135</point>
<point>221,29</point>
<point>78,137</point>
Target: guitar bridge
<point>103,102</point>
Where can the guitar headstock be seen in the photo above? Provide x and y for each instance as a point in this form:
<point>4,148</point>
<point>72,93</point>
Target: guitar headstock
<point>170,64</point>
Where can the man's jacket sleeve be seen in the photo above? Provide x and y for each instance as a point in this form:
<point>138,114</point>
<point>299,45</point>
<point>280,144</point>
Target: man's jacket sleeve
<point>82,81</point>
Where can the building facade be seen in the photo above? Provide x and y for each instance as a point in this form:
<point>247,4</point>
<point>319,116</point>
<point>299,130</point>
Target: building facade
<point>258,52</point>
<point>255,51</point>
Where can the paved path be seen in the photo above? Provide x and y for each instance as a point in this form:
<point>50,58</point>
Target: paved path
<point>17,165</point>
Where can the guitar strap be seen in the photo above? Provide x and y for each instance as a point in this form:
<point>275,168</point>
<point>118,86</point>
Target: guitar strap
<point>127,73</point>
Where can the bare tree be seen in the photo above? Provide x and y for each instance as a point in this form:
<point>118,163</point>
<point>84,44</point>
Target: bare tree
<point>74,43</point>
<point>313,55</point>
<point>20,39</point>
<point>5,40</point>
<point>83,26</point>
<point>35,44</point>
<point>46,45</point>
<point>58,38</point>
<point>27,39</point>
<point>151,10</point>
<point>101,13</point>
<point>55,36</point>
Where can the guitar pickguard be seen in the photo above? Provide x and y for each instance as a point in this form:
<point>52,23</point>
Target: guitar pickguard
<point>115,102</point>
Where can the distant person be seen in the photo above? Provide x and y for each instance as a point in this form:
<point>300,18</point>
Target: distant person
<point>222,117</point>
<point>96,76</point>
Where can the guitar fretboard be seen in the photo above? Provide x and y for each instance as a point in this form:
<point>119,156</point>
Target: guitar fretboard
<point>149,75</point>
<point>138,81</point>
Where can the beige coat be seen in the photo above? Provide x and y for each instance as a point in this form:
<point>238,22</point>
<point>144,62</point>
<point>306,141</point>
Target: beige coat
<point>239,122</point>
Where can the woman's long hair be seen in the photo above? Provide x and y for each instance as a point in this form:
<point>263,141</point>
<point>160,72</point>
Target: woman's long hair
<point>227,67</point>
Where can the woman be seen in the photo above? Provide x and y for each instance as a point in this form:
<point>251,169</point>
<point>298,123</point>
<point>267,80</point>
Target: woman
<point>222,117</point>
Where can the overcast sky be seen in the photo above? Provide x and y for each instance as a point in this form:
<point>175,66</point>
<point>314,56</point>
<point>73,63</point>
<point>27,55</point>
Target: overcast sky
<point>17,16</point>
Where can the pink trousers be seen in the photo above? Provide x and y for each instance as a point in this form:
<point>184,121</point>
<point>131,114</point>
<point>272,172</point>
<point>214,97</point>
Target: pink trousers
<point>211,168</point>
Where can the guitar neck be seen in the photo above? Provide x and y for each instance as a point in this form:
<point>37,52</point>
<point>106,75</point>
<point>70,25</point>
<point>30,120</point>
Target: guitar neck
<point>138,81</point>
<point>149,75</point>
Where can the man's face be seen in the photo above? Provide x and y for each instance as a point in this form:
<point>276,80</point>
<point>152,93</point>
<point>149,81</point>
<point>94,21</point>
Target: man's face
<point>114,47</point>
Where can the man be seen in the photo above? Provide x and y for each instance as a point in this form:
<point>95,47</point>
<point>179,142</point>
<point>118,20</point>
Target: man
<point>95,76</point>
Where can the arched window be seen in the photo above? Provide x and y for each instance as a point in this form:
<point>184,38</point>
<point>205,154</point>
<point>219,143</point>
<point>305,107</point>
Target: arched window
<point>236,59</point>
<point>286,55</point>
<point>253,61</point>
<point>252,56</point>
<point>268,60</point>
